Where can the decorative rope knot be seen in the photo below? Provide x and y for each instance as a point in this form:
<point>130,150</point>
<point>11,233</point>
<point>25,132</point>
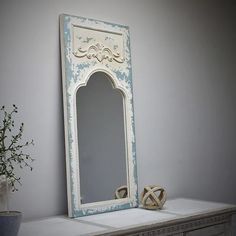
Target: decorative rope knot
<point>121,192</point>
<point>149,198</point>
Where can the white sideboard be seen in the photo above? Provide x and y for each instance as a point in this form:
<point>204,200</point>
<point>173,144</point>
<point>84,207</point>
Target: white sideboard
<point>179,217</point>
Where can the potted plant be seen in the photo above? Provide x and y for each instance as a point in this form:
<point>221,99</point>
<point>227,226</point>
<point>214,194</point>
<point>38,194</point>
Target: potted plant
<point>12,156</point>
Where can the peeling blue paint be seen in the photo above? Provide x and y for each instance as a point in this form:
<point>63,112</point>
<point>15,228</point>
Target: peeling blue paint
<point>84,19</point>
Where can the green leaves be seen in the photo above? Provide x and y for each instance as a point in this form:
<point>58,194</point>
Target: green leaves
<point>11,149</point>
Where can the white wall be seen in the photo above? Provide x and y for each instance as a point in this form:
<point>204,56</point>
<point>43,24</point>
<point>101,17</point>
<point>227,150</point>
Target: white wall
<point>184,77</point>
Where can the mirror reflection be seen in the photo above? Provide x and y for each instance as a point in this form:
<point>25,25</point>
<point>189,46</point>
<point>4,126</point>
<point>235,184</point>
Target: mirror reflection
<point>101,139</point>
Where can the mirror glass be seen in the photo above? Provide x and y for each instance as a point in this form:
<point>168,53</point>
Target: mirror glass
<point>101,139</point>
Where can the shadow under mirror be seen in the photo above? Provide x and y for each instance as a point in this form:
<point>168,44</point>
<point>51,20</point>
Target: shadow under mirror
<point>101,139</point>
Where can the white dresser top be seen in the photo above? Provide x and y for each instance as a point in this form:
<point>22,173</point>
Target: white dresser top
<point>174,210</point>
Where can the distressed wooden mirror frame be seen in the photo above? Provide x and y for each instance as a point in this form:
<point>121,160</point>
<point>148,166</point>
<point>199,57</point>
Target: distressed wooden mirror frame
<point>89,46</point>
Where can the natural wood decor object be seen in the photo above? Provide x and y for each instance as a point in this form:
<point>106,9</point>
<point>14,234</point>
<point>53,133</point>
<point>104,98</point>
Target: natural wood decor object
<point>121,192</point>
<point>153,197</point>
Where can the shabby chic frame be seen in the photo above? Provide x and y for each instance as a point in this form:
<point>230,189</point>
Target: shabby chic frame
<point>89,46</point>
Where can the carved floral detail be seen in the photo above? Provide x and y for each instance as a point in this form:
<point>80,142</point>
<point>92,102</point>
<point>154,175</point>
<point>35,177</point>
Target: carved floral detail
<point>100,52</point>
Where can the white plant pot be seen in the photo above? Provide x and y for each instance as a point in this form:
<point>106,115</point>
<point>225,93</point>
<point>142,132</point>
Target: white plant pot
<point>9,220</point>
<point>4,193</point>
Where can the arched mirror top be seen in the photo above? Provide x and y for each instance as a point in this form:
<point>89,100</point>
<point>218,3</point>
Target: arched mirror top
<point>114,81</point>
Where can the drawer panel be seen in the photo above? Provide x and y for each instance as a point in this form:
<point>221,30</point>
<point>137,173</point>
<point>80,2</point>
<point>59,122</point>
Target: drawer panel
<point>216,230</point>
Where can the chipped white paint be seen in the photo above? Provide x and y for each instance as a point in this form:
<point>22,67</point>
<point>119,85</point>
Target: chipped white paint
<point>89,46</point>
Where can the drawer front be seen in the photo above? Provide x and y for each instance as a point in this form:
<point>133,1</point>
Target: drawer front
<point>216,230</point>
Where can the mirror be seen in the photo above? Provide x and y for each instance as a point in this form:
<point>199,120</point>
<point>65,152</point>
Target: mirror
<point>98,116</point>
<point>101,139</point>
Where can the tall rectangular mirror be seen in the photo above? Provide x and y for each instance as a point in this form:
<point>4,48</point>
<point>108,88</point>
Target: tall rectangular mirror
<point>101,139</point>
<point>98,116</point>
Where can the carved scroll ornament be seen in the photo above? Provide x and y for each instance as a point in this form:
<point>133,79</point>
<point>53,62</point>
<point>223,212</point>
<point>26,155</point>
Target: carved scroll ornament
<point>100,52</point>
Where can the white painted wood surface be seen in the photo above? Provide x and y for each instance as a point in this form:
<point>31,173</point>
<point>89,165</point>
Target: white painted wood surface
<point>179,215</point>
<point>185,207</point>
<point>130,217</point>
<point>58,226</point>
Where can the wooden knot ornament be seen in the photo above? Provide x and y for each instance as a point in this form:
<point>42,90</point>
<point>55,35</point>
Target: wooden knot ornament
<point>153,197</point>
<point>121,192</point>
